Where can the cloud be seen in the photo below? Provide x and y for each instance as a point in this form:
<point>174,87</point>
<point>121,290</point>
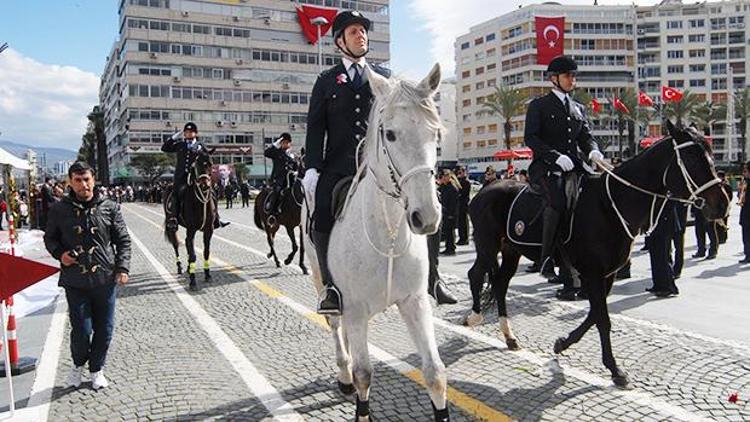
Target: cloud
<point>42,104</point>
<point>446,20</point>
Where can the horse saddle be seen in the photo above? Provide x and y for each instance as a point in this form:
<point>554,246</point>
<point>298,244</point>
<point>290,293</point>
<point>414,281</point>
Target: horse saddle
<point>525,220</point>
<point>338,197</point>
<point>172,201</point>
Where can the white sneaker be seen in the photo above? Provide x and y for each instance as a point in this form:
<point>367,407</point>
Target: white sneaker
<point>74,377</point>
<point>98,380</point>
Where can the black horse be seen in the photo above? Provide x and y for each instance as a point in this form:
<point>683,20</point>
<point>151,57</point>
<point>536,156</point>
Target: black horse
<point>197,212</point>
<point>612,208</point>
<point>290,217</point>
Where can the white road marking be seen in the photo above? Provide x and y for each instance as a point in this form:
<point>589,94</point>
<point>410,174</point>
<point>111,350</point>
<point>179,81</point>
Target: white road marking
<point>255,381</point>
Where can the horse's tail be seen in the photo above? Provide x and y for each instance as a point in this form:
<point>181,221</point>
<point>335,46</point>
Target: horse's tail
<point>169,234</point>
<point>256,214</point>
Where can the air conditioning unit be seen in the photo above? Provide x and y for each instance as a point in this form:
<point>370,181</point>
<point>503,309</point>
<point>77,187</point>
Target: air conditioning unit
<point>234,124</point>
<point>293,126</point>
<point>177,79</point>
<point>237,82</point>
<point>168,123</point>
<point>223,103</point>
<point>267,21</point>
<point>239,61</point>
<point>285,85</point>
<point>236,18</point>
<point>185,13</point>
<point>153,55</point>
<point>219,123</point>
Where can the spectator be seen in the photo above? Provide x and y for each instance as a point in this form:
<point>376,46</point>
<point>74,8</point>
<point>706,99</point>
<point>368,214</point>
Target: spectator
<point>463,207</point>
<point>662,274</point>
<point>449,200</point>
<point>47,199</point>
<point>87,234</point>
<point>745,214</point>
<point>490,175</point>
<point>245,192</point>
<point>721,227</point>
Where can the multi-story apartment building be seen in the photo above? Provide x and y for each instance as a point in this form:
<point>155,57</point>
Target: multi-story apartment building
<point>701,47</point>
<point>445,100</point>
<point>242,70</point>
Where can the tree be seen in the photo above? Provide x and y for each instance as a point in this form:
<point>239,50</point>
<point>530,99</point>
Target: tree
<point>87,150</point>
<point>507,103</point>
<point>152,166</point>
<point>241,172</point>
<point>683,109</point>
<point>96,121</point>
<point>707,113</point>
<point>742,112</point>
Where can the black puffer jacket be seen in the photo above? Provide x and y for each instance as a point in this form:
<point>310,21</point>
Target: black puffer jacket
<point>96,229</point>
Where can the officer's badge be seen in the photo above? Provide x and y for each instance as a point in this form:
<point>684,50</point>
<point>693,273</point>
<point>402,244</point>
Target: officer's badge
<point>519,227</point>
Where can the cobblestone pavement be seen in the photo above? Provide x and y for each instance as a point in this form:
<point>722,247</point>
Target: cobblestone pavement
<point>164,366</point>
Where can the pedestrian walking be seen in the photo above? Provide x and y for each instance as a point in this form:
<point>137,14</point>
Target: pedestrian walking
<point>87,234</point>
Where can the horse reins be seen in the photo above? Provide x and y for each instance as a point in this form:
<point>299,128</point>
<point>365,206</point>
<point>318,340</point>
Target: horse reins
<point>202,197</point>
<point>695,190</point>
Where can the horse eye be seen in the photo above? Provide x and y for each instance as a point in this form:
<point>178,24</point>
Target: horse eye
<point>389,135</point>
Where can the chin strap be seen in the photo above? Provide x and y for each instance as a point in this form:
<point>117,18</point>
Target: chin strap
<point>352,55</point>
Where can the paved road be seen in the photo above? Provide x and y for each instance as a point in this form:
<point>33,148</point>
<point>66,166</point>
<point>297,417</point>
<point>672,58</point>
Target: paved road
<point>249,347</point>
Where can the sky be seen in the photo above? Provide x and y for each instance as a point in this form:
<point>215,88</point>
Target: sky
<point>49,77</point>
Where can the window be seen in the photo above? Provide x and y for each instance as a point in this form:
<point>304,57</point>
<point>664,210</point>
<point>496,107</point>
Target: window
<point>491,52</point>
<point>697,67</point>
<point>719,83</point>
<point>697,23</point>
<point>697,53</point>
<point>479,70</point>
<point>467,131</point>
<point>478,41</point>
<point>697,38</point>
<point>674,54</point>
<point>491,66</point>
<point>674,24</point>
<point>587,45</point>
<point>466,88</point>
<point>674,39</point>
<point>465,74</point>
<point>676,84</point>
<point>675,69</point>
<point>479,85</point>
<point>695,83</point>
<point>465,45</point>
<point>489,37</point>
<point>491,82</point>
<point>467,102</point>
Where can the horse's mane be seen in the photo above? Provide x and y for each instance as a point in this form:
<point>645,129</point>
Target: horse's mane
<point>692,132</point>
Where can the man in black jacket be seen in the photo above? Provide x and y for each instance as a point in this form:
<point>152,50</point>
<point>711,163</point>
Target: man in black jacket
<point>283,163</point>
<point>336,122</point>
<point>87,234</point>
<point>463,207</point>
<point>449,202</point>
<point>745,214</point>
<point>187,150</point>
<point>557,131</point>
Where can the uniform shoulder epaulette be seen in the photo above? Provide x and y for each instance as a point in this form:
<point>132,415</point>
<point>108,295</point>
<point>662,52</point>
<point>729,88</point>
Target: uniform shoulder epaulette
<point>327,72</point>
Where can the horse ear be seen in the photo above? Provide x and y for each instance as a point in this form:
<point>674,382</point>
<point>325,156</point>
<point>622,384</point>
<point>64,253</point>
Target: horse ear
<point>211,151</point>
<point>670,128</point>
<point>380,85</point>
<point>431,82</point>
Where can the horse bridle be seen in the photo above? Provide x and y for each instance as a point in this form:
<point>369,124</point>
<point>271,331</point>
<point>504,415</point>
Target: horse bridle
<point>693,200</point>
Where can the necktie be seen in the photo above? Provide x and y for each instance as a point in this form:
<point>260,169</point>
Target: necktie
<point>567,105</point>
<point>357,80</point>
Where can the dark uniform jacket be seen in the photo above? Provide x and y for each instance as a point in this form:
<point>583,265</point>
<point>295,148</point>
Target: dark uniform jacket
<point>282,164</point>
<point>449,200</point>
<point>463,194</point>
<point>95,227</point>
<point>745,208</point>
<point>337,120</point>
<point>185,157</point>
<point>551,131</point>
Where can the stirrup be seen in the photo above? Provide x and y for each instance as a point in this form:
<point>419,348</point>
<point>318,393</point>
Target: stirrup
<point>330,308</point>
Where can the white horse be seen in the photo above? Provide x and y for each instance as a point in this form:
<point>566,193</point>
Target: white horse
<point>378,249</point>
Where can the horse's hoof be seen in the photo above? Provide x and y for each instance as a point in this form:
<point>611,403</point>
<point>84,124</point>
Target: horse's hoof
<point>346,389</point>
<point>473,319</point>
<point>621,380</point>
<point>304,270</point>
<point>512,344</point>
<point>287,261</point>
<point>179,271</point>
<point>208,278</point>
<point>193,287</point>
<point>559,345</point>
<point>269,255</point>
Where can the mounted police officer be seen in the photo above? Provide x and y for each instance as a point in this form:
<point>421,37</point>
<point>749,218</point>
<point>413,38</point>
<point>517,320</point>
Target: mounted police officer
<point>557,132</point>
<point>187,150</point>
<point>336,123</point>
<point>283,163</point>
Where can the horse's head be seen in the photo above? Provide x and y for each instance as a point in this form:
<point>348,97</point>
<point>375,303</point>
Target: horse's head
<point>691,174</point>
<point>401,146</point>
<point>202,167</point>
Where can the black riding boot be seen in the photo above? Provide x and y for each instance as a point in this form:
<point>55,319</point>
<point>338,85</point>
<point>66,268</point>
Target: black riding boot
<point>549,234</point>
<point>330,300</point>
<point>217,221</point>
<point>435,285</point>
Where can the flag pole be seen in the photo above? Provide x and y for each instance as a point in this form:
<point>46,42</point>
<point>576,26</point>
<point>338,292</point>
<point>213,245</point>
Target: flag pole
<point>8,371</point>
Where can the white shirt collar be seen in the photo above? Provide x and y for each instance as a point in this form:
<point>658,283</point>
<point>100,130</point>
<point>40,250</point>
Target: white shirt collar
<point>348,63</point>
<point>562,96</point>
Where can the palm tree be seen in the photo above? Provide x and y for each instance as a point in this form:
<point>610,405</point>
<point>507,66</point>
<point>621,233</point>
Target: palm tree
<point>507,103</point>
<point>707,113</point>
<point>742,112</point>
<point>683,109</point>
<point>96,118</point>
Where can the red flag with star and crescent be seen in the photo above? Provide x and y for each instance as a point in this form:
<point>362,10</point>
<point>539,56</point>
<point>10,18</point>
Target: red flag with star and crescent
<point>550,36</point>
<point>619,105</point>
<point>306,14</point>
<point>644,99</point>
<point>595,106</point>
<point>670,94</point>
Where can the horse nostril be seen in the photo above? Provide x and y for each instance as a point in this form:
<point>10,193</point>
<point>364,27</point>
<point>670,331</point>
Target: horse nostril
<point>416,220</point>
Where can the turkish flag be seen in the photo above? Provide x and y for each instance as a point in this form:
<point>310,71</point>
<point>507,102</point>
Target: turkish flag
<point>644,99</point>
<point>550,34</point>
<point>19,273</point>
<point>670,94</point>
<point>620,106</point>
<point>595,105</point>
<point>306,14</point>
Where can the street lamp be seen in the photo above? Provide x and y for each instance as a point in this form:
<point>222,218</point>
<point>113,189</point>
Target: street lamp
<point>318,22</point>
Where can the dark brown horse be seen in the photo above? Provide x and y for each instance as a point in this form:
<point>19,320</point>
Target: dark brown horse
<point>290,218</point>
<point>196,213</point>
<point>611,210</point>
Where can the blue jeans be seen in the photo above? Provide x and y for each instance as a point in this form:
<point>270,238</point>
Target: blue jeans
<point>91,310</point>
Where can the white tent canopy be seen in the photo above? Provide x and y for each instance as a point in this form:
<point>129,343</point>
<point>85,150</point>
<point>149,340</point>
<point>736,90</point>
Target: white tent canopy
<point>12,160</point>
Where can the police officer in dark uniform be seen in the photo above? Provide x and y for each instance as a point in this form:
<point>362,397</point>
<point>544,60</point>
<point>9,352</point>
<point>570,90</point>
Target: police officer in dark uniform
<point>557,132</point>
<point>187,150</point>
<point>283,163</point>
<point>336,122</point>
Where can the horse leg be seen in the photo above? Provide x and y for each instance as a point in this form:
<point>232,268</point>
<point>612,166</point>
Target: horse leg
<point>562,343</point>
<point>270,234</point>
<point>302,250</point>
<point>355,326</point>
<point>190,245</point>
<point>172,237</point>
<point>604,326</point>
<point>417,314</point>
<point>207,254</point>
<point>500,283</point>
<point>476,282</point>
<point>343,359</point>
<point>290,232</point>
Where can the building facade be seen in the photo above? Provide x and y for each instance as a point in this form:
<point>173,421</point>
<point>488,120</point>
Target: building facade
<point>242,70</point>
<point>699,47</point>
<point>445,100</point>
